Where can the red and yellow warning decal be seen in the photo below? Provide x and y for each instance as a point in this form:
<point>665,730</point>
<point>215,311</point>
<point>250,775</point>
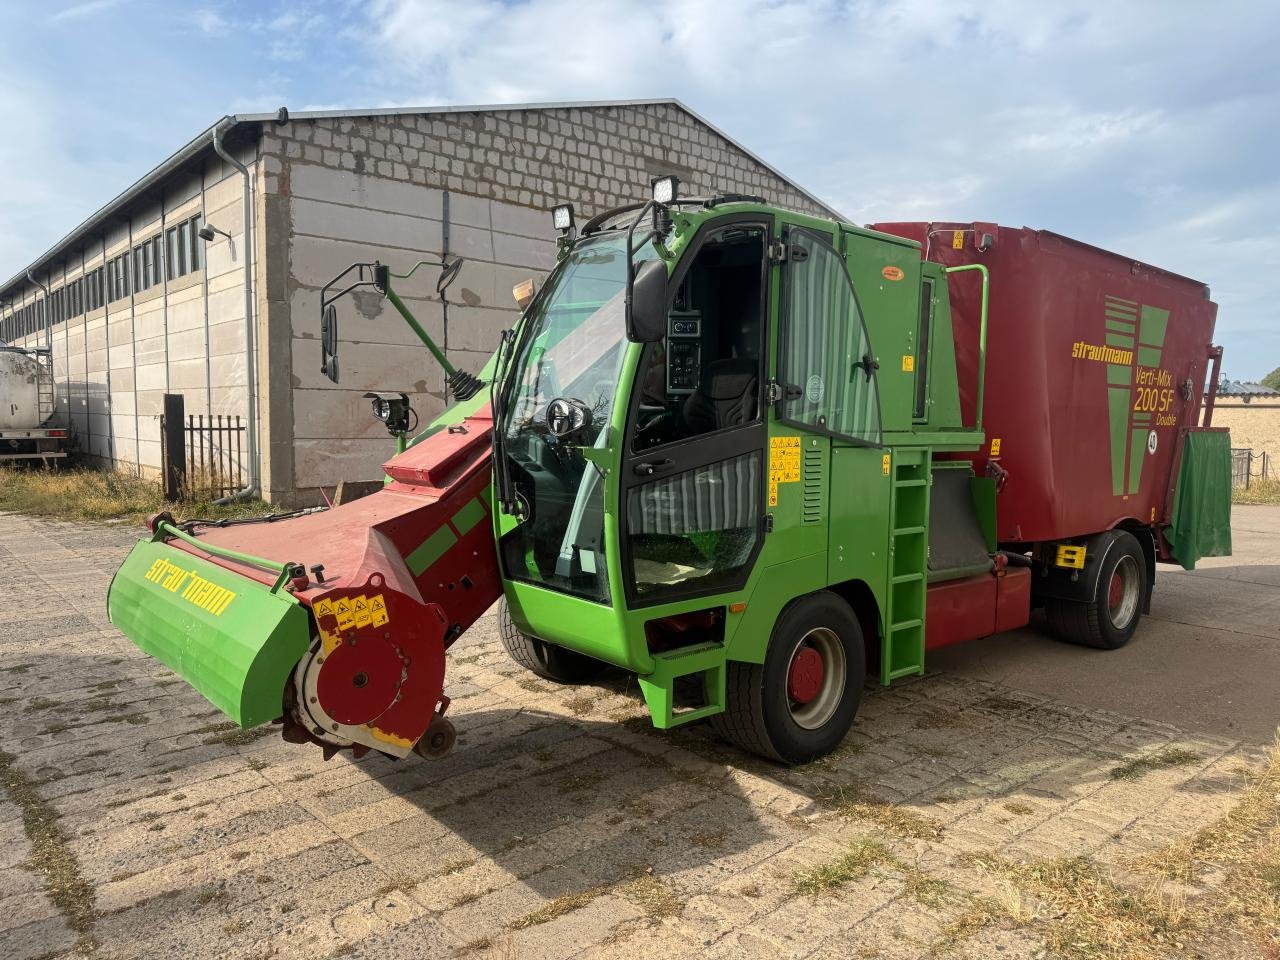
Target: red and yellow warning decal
<point>350,613</point>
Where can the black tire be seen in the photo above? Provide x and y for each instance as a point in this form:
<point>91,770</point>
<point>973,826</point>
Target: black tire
<point>760,715</point>
<point>1100,622</point>
<point>545,659</point>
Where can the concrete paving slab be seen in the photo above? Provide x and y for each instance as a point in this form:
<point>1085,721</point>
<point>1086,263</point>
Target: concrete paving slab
<point>556,833</point>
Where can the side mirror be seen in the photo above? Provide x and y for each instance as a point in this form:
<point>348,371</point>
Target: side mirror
<point>448,275</point>
<point>647,318</point>
<point>329,343</point>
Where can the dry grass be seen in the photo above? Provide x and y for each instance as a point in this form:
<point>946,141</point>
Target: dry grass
<point>856,804</point>
<point>51,855</point>
<point>559,907</point>
<point>1088,916</point>
<point>652,896</point>
<point>1261,490</point>
<point>829,877</point>
<point>1243,849</point>
<point>83,494</point>
<point>1160,760</point>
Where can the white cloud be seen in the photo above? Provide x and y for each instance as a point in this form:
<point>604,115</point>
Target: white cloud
<point>79,10</point>
<point>211,23</point>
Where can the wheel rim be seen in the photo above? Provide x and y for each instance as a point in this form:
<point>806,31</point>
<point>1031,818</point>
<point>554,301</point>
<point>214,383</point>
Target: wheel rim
<point>815,678</point>
<point>1122,592</point>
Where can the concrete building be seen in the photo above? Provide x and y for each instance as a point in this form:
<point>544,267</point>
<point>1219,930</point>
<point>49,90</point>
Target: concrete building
<point>141,305</point>
<point>1252,413</point>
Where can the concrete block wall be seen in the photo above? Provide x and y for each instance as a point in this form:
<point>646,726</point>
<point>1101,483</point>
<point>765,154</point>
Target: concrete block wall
<point>114,365</point>
<point>341,190</point>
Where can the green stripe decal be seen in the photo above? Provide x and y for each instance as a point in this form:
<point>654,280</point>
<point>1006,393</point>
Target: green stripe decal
<point>1154,323</point>
<point>1115,313</point>
<point>1118,375</point>
<point>1121,300</point>
<point>1118,404</point>
<point>472,512</point>
<point>1137,452</point>
<point>431,550</point>
<point>1119,340</point>
<point>1148,356</point>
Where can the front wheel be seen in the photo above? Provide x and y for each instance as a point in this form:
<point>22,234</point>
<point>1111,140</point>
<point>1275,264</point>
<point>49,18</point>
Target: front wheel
<point>544,659</point>
<point>799,704</point>
<point>1108,619</point>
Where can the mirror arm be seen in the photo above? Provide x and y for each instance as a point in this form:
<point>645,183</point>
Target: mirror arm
<point>631,273</point>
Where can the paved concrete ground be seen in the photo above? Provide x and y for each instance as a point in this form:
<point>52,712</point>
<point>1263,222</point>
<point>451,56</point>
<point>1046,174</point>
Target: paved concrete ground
<point>134,823</point>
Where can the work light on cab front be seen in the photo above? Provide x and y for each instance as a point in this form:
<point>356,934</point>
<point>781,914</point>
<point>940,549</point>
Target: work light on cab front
<point>562,217</point>
<point>664,189</point>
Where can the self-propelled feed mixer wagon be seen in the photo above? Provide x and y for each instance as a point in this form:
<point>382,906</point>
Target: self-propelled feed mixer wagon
<point>746,455</point>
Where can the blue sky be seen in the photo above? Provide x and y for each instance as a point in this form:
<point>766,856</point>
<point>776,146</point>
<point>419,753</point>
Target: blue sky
<point>1148,128</point>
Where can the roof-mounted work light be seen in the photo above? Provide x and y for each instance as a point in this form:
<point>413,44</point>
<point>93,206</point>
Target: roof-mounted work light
<point>664,188</point>
<point>562,217</point>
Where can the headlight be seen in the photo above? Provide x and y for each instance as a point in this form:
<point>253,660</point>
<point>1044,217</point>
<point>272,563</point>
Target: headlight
<point>562,217</point>
<point>664,189</point>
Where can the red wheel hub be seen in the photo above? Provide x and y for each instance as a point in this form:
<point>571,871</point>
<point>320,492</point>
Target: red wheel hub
<point>1115,590</point>
<point>359,681</point>
<point>805,675</point>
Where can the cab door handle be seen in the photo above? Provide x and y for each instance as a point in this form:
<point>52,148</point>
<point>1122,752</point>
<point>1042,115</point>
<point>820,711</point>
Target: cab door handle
<point>648,468</point>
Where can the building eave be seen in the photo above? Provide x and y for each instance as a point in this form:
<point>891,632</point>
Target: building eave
<point>204,142</point>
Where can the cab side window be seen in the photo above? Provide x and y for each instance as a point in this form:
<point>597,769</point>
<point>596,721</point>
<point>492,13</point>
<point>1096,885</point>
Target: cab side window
<point>705,375</point>
<point>826,367</point>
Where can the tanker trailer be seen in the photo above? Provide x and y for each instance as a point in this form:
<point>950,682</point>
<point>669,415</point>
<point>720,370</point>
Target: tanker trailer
<point>741,453</point>
<point>27,405</point>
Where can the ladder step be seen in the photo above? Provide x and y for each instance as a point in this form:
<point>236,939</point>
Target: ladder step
<point>904,672</point>
<point>904,625</point>
<point>908,483</point>
<point>907,531</point>
<point>908,577</point>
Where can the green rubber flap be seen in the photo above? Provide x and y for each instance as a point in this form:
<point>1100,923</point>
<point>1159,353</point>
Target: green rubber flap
<point>1201,516</point>
<point>231,638</point>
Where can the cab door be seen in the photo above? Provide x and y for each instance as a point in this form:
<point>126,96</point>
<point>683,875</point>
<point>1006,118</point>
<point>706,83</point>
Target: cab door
<point>692,490</point>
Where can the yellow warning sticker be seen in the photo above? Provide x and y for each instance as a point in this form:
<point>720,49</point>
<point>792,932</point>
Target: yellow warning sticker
<point>773,494</point>
<point>784,460</point>
<point>378,611</point>
<point>884,464</point>
<point>908,363</point>
<point>995,447</point>
<point>322,608</point>
<point>957,239</point>
<point>360,611</point>
<point>342,610</point>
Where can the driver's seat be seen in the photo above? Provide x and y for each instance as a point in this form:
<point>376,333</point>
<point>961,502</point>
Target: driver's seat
<point>726,397</point>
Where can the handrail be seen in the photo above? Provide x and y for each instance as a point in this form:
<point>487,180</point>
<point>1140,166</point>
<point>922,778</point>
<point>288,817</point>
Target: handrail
<point>284,570</point>
<point>982,331</point>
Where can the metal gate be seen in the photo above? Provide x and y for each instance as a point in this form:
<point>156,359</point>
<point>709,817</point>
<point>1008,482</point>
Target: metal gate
<point>203,455</point>
<point>1247,466</point>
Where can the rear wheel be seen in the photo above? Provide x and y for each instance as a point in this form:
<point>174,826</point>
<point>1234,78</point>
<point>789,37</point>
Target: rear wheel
<point>1109,618</point>
<point>799,703</point>
<point>544,659</point>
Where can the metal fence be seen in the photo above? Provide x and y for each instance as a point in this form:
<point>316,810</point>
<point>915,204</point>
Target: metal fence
<point>203,455</point>
<point>1247,466</point>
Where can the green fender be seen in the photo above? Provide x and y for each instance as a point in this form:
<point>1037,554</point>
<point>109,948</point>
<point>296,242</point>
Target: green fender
<point>233,639</point>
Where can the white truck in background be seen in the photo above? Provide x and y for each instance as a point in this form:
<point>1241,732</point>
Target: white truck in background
<point>28,402</point>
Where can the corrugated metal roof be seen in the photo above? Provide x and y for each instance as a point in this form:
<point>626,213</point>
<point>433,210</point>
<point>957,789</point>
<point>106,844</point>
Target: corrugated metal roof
<point>203,143</point>
<point>1241,388</point>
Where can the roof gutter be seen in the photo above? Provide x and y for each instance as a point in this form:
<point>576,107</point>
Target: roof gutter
<point>48,325</point>
<point>250,353</point>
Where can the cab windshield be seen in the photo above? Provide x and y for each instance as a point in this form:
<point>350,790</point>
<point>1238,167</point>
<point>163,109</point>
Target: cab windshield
<point>573,346</point>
